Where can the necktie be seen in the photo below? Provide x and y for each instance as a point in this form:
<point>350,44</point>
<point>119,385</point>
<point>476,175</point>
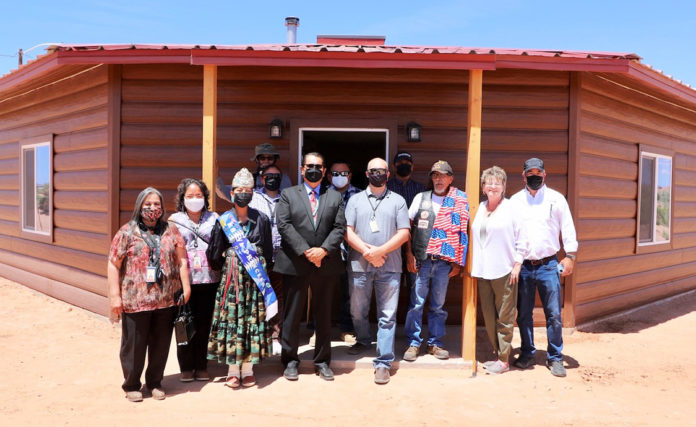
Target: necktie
<point>313,205</point>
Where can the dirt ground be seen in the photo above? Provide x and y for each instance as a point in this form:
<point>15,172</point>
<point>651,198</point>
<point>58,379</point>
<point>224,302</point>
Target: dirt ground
<point>61,368</point>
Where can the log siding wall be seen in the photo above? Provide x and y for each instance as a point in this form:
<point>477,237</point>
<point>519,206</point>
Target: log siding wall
<point>614,122</point>
<point>74,110</point>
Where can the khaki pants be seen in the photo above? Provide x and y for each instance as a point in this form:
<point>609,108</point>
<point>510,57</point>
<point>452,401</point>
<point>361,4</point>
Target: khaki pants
<point>499,307</point>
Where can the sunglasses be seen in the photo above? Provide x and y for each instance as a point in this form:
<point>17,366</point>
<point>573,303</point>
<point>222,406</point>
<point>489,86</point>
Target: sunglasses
<point>377,171</point>
<point>341,173</point>
<point>266,157</point>
<point>313,166</point>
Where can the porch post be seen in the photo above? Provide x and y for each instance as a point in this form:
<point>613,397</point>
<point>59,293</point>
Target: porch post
<point>473,167</point>
<point>210,172</point>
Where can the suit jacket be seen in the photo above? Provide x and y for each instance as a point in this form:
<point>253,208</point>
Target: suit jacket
<point>298,232</point>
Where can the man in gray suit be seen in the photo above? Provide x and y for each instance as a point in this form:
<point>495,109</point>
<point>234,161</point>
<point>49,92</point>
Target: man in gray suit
<point>311,226</point>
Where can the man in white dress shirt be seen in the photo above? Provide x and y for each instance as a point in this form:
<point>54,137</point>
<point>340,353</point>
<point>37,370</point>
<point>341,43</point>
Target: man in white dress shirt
<point>545,214</point>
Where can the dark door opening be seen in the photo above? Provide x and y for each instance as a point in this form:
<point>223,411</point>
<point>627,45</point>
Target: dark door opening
<point>354,146</point>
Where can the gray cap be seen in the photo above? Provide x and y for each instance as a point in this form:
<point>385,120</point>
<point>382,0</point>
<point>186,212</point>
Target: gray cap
<point>441,166</point>
<point>533,163</point>
<point>265,148</point>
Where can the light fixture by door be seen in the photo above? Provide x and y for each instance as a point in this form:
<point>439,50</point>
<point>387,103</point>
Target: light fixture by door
<point>275,129</point>
<point>413,132</point>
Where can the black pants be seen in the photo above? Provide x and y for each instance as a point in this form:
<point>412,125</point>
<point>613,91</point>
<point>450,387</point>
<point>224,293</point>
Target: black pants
<point>149,331</point>
<point>202,302</point>
<point>277,320</point>
<point>295,288</point>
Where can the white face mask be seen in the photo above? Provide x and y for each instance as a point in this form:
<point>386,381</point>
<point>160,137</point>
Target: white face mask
<point>339,181</point>
<point>194,205</point>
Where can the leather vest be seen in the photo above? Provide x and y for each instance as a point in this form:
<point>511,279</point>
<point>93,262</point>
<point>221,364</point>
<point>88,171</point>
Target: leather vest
<point>422,226</point>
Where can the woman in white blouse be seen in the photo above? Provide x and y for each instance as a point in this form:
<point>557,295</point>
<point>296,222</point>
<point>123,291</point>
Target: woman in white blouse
<point>498,248</point>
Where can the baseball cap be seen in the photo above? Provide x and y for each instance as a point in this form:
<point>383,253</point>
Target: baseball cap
<point>441,166</point>
<point>533,163</point>
<point>405,155</point>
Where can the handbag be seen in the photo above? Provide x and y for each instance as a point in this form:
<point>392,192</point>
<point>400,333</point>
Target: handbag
<point>184,329</point>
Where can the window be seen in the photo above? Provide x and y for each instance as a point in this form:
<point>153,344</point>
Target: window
<point>655,199</point>
<point>37,188</point>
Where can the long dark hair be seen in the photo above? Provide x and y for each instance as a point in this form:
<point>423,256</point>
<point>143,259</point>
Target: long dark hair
<point>181,191</point>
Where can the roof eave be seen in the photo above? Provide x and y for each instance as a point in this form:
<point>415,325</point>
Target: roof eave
<point>661,82</point>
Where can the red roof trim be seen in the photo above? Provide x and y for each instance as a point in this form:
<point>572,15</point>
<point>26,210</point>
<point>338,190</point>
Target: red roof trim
<point>125,56</point>
<point>604,65</point>
<point>661,82</point>
<point>30,71</point>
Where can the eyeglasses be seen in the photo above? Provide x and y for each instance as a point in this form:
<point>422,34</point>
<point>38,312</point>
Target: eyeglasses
<point>271,175</point>
<point>313,166</point>
<point>268,158</point>
<point>377,171</point>
<point>340,173</point>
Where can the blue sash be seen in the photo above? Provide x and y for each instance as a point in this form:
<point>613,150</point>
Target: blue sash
<point>250,259</point>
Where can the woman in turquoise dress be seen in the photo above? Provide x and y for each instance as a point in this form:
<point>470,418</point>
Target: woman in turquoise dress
<point>240,335</point>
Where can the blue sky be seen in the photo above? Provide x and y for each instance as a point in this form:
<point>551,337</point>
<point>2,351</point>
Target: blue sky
<point>663,33</point>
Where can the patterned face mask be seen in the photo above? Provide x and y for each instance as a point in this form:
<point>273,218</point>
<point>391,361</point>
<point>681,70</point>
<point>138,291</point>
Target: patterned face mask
<point>151,214</point>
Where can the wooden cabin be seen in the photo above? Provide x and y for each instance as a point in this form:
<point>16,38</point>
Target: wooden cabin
<point>84,128</point>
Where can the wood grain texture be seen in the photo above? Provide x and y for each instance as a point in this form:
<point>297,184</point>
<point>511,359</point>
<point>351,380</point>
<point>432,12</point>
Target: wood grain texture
<point>82,260</point>
<point>95,222</point>
<point>88,201</point>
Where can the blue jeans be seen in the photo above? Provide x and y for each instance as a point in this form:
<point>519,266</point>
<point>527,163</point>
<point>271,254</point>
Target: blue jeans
<point>433,276</point>
<point>545,278</point>
<point>386,285</point>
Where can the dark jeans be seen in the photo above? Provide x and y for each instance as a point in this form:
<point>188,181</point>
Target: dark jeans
<point>202,302</point>
<point>295,288</point>
<point>547,280</point>
<point>145,331</point>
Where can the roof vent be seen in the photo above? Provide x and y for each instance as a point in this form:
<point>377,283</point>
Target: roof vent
<point>292,23</point>
<point>352,40</point>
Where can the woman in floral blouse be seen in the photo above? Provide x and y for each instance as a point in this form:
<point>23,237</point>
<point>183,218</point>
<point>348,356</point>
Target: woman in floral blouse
<point>147,275</point>
<point>195,223</point>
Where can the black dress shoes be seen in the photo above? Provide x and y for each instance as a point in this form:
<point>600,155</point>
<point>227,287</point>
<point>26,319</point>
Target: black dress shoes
<point>290,372</point>
<point>323,370</point>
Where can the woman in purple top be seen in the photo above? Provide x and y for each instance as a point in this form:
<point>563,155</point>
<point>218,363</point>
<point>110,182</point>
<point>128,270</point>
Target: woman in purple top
<point>195,223</point>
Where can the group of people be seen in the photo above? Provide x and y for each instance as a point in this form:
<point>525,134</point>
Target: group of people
<point>246,274</point>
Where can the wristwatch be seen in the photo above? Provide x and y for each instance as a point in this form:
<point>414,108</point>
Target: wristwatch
<point>571,256</point>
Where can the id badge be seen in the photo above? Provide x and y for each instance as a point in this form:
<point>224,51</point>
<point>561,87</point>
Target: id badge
<point>373,225</point>
<point>151,274</point>
<point>197,262</point>
<point>423,224</point>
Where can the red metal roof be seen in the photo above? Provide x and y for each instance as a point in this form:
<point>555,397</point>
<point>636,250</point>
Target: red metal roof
<point>347,55</point>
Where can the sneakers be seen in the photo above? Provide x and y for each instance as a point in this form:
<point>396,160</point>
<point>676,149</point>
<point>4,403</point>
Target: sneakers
<point>134,396</point>
<point>381,375</point>
<point>556,367</point>
<point>290,372</point>
<point>411,353</point>
<point>186,377</point>
<point>158,393</point>
<point>438,352</point>
<point>524,362</point>
<point>358,348</point>
<point>496,367</point>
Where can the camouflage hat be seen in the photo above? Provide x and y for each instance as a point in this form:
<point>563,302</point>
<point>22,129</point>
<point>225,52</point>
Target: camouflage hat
<point>441,166</point>
<point>243,178</point>
<point>265,148</point>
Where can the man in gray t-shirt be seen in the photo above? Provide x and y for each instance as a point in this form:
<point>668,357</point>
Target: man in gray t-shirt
<point>378,225</point>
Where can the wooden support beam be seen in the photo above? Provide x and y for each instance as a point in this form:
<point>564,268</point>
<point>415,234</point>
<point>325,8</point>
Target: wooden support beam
<point>473,167</point>
<point>210,172</point>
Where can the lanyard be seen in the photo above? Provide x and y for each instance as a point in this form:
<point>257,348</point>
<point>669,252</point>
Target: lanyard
<point>152,242</point>
<point>272,204</point>
<point>374,208</point>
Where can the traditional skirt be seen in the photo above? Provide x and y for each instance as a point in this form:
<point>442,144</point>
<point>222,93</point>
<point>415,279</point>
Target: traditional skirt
<point>239,332</point>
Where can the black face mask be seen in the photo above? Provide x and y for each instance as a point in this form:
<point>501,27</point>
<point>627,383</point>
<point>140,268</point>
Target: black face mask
<point>378,179</point>
<point>313,175</point>
<point>403,170</point>
<point>242,199</point>
<point>272,183</point>
<point>534,182</point>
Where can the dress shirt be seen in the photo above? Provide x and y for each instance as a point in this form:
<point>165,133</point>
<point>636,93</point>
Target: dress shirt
<point>545,216</point>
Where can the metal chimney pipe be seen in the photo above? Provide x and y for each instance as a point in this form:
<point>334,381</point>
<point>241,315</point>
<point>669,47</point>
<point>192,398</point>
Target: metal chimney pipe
<point>292,23</point>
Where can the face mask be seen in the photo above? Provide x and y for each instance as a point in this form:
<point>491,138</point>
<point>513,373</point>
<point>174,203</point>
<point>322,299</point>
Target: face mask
<point>403,170</point>
<point>339,181</point>
<point>272,183</point>
<point>313,175</point>
<point>534,182</point>
<point>194,204</point>
<point>151,214</point>
<point>242,199</point>
<point>378,180</point>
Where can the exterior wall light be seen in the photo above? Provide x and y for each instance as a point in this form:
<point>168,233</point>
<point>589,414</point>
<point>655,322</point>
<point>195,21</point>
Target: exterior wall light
<point>413,132</point>
<point>275,129</point>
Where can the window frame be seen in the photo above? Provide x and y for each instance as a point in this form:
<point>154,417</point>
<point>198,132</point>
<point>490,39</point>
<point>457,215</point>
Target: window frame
<point>25,145</point>
<point>655,153</point>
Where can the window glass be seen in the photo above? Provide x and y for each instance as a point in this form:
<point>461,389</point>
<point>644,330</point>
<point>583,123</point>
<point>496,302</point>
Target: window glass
<point>36,188</point>
<point>655,199</point>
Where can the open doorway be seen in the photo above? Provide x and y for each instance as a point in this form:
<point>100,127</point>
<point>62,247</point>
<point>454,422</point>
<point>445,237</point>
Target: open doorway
<point>354,146</point>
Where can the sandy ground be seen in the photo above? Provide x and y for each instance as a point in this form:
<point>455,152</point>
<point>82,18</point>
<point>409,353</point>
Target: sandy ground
<point>61,368</point>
